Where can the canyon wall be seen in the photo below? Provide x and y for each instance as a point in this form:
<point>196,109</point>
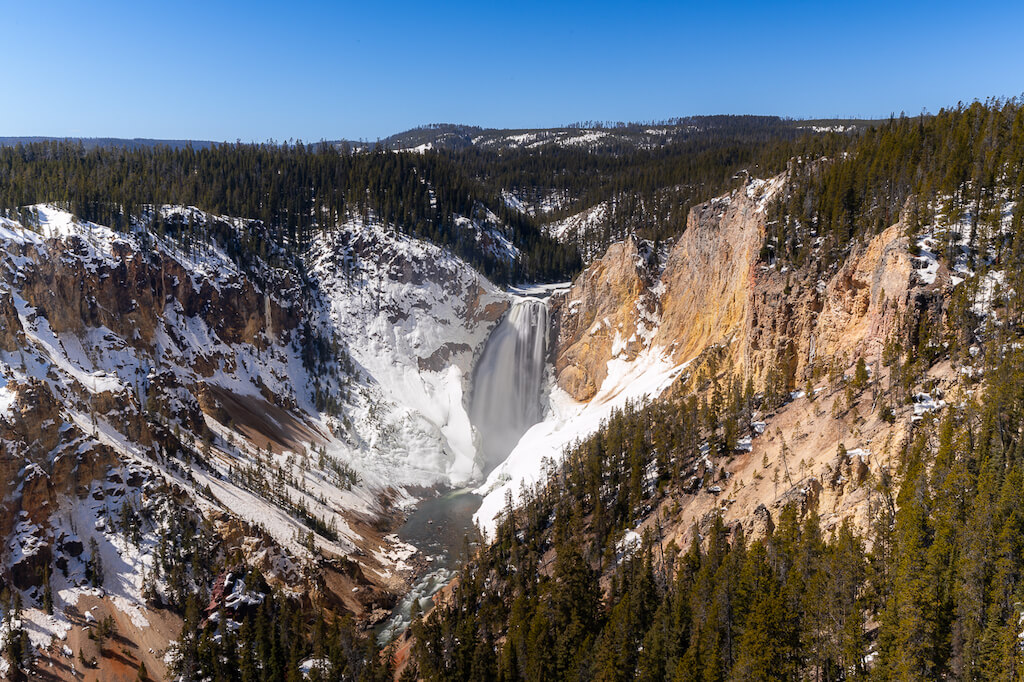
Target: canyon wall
<point>711,303</point>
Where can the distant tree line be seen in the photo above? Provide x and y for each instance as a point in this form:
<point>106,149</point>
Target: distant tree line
<point>293,190</point>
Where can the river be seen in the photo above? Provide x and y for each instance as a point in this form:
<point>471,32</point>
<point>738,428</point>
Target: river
<point>438,528</point>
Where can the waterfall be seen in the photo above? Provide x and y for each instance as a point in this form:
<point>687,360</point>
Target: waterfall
<point>506,398</point>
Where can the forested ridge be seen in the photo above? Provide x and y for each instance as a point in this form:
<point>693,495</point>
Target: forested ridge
<point>966,160</point>
<point>931,589</point>
<point>297,190</point>
<point>649,190</point>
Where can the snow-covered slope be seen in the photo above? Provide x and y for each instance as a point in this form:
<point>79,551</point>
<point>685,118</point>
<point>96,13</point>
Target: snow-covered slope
<point>411,316</point>
<point>593,136</point>
<point>590,137</point>
<point>566,421</point>
<point>299,402</point>
<point>590,230</point>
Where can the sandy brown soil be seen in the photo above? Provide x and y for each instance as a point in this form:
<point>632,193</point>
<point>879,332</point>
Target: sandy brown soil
<point>797,460</point>
<point>262,422</point>
<point>122,653</point>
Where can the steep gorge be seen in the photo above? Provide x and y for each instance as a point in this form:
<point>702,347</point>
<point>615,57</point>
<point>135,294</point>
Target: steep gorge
<point>352,393</point>
<point>290,414</point>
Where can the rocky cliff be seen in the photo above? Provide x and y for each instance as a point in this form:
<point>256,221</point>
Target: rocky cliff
<point>713,304</point>
<point>695,294</point>
<point>609,311</point>
<point>711,289</point>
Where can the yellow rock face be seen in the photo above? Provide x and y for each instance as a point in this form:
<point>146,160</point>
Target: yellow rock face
<point>861,302</point>
<point>619,305</point>
<point>714,293</point>
<point>708,276</point>
<point>601,306</point>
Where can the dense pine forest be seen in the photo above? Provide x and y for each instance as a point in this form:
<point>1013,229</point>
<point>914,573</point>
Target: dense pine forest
<point>963,161</point>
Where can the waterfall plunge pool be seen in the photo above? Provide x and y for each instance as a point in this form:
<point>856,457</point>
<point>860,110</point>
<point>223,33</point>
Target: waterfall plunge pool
<point>505,402</point>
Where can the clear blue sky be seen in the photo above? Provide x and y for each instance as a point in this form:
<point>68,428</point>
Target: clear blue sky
<point>362,70</point>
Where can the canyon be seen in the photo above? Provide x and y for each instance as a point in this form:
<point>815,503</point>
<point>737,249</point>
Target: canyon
<point>306,413</point>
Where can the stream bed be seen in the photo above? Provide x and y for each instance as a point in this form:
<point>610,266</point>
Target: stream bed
<point>437,528</point>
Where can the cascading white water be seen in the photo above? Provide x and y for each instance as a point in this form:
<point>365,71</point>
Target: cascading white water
<point>505,403</point>
<point>506,398</point>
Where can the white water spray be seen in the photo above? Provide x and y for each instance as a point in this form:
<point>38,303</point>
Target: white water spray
<point>507,381</point>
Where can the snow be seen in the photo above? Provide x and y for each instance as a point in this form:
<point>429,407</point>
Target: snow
<point>926,265</point>
<point>538,290</point>
<point>629,544</point>
<point>398,552</point>
<point>591,138</point>
<point>925,403</point>
<point>281,525</point>
<point>206,264</point>
<point>522,139</point>
<point>860,453</point>
<point>409,314</point>
<point>423,419</point>
<point>413,419</point>
<point>123,562</point>
<point>588,137</point>
<point>619,344</point>
<point>763,191</point>
<point>71,357</point>
<point>42,630</point>
<point>988,292</point>
<point>838,128</point>
<point>307,666</point>
<point>514,202</point>
<point>969,243</point>
<point>488,234</point>
<point>7,400</point>
<point>55,223</point>
<point>574,226</point>
<point>538,203</point>
<point>240,597</point>
<point>567,421</point>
